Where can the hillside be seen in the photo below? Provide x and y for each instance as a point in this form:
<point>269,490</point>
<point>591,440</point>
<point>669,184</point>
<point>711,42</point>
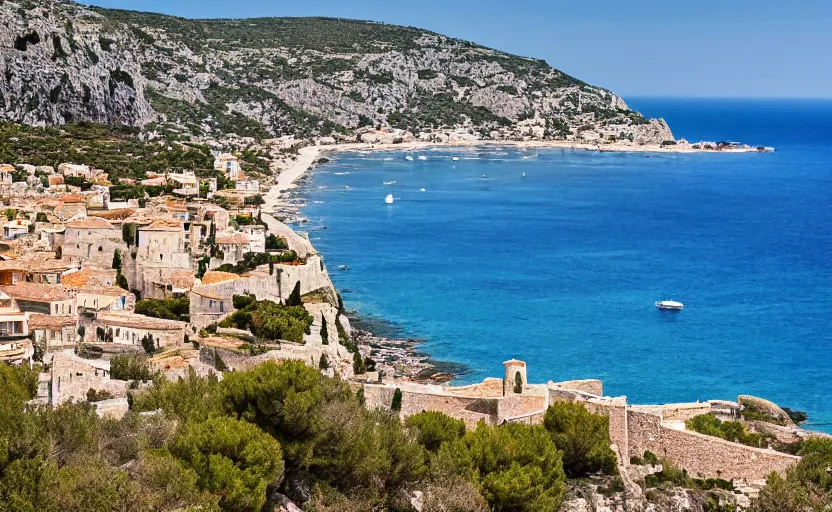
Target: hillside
<point>268,77</point>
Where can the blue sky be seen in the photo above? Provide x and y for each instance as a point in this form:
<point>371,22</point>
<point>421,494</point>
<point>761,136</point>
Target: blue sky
<point>735,48</point>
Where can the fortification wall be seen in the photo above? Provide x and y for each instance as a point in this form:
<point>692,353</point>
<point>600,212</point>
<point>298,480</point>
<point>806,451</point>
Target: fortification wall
<point>513,405</point>
<point>701,455</point>
<point>469,409</point>
<point>591,386</point>
<point>616,410</point>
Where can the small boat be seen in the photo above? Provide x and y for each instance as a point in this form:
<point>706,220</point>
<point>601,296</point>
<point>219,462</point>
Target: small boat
<point>389,199</point>
<point>422,189</point>
<point>389,182</point>
<point>347,187</point>
<point>669,305</point>
<point>409,158</point>
<point>422,157</point>
<point>524,174</point>
<point>343,267</point>
<point>454,158</point>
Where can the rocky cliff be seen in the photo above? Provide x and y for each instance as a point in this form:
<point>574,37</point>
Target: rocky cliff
<point>62,62</point>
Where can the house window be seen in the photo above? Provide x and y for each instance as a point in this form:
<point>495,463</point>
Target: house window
<point>118,332</point>
<point>56,309</point>
<point>210,303</point>
<point>161,257</point>
<point>222,308</point>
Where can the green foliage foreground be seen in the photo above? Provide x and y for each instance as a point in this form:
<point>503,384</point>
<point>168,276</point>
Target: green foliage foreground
<point>205,444</point>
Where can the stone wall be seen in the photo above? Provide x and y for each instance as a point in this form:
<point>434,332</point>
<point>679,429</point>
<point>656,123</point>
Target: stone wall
<point>469,409</point>
<point>701,455</point>
<point>513,405</point>
<point>616,410</point>
<point>72,377</point>
<point>591,386</point>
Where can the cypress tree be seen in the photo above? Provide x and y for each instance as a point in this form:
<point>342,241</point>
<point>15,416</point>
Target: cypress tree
<point>324,331</point>
<point>294,297</point>
<point>397,400</point>
<point>117,260</point>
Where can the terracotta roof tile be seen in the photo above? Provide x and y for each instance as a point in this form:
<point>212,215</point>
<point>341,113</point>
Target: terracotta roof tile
<point>41,292</point>
<point>213,277</point>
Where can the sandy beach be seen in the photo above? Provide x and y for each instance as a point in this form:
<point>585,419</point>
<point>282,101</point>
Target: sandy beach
<point>287,177</point>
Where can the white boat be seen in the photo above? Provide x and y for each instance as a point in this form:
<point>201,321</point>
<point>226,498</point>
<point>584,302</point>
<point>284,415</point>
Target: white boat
<point>422,189</point>
<point>422,157</point>
<point>389,199</point>
<point>670,305</point>
<point>454,158</point>
<point>409,158</point>
<point>389,182</point>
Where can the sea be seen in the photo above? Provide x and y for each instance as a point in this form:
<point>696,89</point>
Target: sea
<point>557,257</point>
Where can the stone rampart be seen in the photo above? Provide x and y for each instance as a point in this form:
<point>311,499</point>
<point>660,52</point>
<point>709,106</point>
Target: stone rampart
<point>701,455</point>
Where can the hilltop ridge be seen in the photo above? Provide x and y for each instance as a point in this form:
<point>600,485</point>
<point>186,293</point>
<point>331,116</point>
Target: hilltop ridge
<point>270,77</point>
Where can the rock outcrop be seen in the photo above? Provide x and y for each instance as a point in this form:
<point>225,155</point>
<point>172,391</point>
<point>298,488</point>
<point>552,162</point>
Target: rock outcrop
<point>267,77</point>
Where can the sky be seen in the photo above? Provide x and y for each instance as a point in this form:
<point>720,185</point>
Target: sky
<point>709,48</point>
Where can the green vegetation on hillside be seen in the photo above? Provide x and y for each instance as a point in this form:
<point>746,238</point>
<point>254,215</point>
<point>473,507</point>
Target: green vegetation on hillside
<point>205,444</point>
<point>270,321</point>
<point>115,149</point>
<point>170,309</point>
<point>735,431</point>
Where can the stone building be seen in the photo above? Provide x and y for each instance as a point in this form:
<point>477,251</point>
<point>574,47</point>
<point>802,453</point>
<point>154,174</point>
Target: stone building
<point>43,298</point>
<point>130,329</point>
<point>71,378</point>
<point>161,251</point>
<point>54,332</point>
<point>92,240</point>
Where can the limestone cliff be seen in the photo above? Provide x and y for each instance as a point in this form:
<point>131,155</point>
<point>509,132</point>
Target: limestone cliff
<point>265,77</point>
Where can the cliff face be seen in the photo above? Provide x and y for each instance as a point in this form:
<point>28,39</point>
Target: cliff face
<point>268,77</point>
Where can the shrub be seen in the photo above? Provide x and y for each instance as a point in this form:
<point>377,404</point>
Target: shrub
<point>148,345</point>
<point>516,467</point>
<point>323,362</point>
<point>734,431</point>
<point>583,438</point>
<point>170,309</point>
<point>434,428</point>
<point>233,459</point>
<point>130,367</point>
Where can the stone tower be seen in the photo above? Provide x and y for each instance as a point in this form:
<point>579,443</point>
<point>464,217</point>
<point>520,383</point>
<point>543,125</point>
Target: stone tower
<point>513,369</point>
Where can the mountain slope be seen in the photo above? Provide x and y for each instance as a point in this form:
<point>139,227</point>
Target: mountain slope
<point>268,77</point>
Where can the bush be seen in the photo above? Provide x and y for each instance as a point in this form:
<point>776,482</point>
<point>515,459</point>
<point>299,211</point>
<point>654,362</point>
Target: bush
<point>434,428</point>
<point>130,367</point>
<point>734,431</point>
<point>148,345</point>
<point>583,438</point>
<point>271,321</point>
<point>170,309</point>
<point>516,467</point>
<point>233,459</point>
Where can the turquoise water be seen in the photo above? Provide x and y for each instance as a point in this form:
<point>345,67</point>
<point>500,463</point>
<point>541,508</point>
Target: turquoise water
<point>561,267</point>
